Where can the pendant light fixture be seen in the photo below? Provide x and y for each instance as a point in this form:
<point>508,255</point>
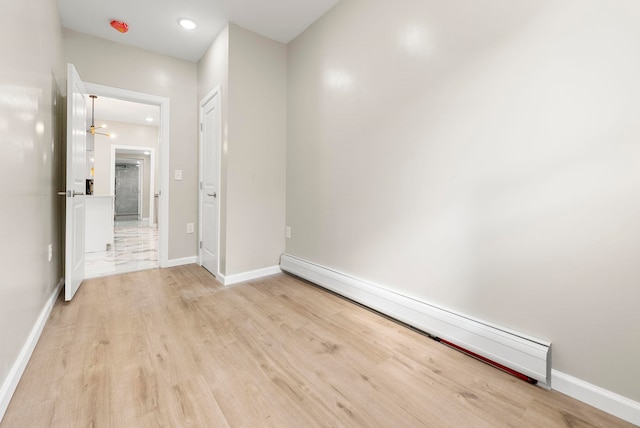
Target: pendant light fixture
<point>92,129</point>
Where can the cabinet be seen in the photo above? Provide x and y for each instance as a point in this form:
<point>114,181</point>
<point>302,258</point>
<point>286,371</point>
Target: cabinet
<point>98,223</point>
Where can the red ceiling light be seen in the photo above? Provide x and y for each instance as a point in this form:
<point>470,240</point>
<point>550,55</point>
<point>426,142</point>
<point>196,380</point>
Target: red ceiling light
<point>121,26</point>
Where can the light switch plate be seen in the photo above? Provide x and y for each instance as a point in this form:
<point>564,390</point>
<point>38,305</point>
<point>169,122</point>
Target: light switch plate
<point>178,175</point>
<point>190,228</point>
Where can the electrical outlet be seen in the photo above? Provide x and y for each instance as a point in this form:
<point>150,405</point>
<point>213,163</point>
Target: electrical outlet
<point>190,228</point>
<point>178,175</point>
<point>50,252</point>
<point>287,232</point>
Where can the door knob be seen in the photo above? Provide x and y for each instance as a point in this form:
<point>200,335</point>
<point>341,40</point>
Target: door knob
<point>212,194</point>
<point>62,193</point>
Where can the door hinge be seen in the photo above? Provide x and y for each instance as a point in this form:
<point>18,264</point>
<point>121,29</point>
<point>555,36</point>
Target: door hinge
<point>201,185</point>
<point>201,127</point>
<point>200,244</point>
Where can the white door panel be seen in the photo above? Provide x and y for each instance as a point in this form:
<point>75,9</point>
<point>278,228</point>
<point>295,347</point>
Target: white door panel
<point>75,179</point>
<point>209,195</point>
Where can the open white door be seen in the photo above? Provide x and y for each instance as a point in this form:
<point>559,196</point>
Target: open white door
<point>75,203</point>
<point>209,173</point>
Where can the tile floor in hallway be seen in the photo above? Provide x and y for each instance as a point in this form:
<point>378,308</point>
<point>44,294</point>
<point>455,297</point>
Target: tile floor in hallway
<point>135,247</point>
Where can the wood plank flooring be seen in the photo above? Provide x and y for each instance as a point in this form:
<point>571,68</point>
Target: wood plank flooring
<point>174,348</point>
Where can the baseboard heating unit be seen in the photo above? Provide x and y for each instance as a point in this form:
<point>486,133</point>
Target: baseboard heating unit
<point>522,355</point>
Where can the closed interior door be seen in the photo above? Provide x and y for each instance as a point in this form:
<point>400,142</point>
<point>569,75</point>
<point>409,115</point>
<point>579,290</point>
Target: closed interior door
<point>209,196</point>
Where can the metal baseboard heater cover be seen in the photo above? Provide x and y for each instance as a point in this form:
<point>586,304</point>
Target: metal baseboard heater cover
<point>521,353</point>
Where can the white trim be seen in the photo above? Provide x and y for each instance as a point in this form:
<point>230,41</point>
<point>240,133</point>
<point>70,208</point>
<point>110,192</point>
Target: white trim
<point>600,398</point>
<point>216,92</point>
<point>11,382</point>
<point>164,153</point>
<point>248,276</point>
<point>517,351</point>
<point>163,189</point>
<point>141,189</point>
<point>181,262</point>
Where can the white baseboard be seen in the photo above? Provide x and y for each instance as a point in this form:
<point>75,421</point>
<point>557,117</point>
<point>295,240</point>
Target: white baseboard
<point>248,276</point>
<point>181,262</point>
<point>597,397</point>
<point>517,351</point>
<point>11,382</point>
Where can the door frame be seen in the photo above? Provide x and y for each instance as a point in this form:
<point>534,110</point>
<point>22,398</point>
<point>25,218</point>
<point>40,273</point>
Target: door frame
<point>152,171</point>
<point>163,149</point>
<point>216,92</point>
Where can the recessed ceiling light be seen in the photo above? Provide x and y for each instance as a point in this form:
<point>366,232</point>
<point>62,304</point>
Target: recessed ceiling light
<point>187,24</point>
<point>147,153</point>
<point>149,119</point>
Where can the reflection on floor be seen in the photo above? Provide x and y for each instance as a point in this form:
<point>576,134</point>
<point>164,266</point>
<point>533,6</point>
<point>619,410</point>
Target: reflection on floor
<point>135,248</point>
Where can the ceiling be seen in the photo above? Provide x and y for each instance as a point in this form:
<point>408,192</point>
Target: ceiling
<point>153,24</point>
<point>111,109</point>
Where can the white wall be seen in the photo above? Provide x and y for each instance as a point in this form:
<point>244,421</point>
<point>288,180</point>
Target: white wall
<point>31,147</point>
<point>107,63</point>
<point>481,156</point>
<point>255,151</point>
<point>251,70</point>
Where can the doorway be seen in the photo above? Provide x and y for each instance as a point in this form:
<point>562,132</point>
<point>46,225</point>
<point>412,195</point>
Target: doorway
<point>126,170</point>
<point>128,160</point>
<point>128,190</point>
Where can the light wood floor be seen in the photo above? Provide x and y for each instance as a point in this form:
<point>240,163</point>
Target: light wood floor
<point>172,347</point>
